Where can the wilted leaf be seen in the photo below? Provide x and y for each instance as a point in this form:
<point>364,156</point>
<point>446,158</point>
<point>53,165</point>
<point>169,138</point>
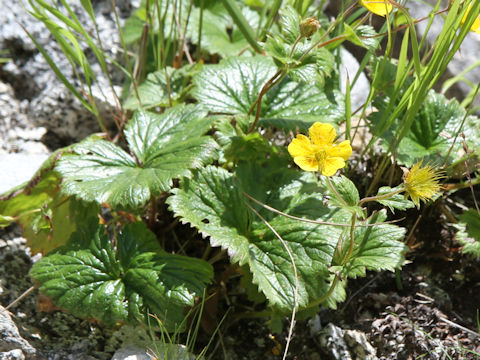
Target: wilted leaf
<point>47,217</point>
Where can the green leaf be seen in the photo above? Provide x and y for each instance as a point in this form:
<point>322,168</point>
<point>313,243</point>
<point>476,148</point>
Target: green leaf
<point>155,90</point>
<point>314,68</point>
<point>88,279</point>
<point>51,227</point>
<point>376,247</point>
<point>166,147</point>
<point>351,35</point>
<point>344,188</point>
<point>232,86</point>
<point>219,34</point>
<point>290,24</point>
<point>367,36</point>
<point>468,233</point>
<point>249,147</point>
<point>6,220</point>
<point>212,201</point>
<point>397,201</point>
<point>433,132</point>
<point>133,28</point>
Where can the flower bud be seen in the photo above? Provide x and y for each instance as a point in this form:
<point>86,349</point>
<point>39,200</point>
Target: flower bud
<point>309,26</point>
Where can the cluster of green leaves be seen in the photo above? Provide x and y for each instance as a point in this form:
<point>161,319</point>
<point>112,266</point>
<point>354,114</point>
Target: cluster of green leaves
<point>192,144</point>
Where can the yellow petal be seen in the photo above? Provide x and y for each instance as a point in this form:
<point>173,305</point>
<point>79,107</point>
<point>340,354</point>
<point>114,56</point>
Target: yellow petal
<point>322,134</point>
<point>379,7</point>
<point>343,150</point>
<point>476,24</point>
<point>301,146</point>
<point>330,165</point>
<point>307,163</point>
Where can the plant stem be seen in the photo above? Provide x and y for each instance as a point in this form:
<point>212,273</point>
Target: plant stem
<point>200,25</point>
<point>352,241</point>
<point>270,83</point>
<point>327,294</point>
<point>335,191</point>
<point>271,16</point>
<point>380,197</point>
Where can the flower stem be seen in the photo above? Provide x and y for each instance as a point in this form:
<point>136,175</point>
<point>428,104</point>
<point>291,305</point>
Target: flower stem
<point>327,294</point>
<point>380,197</point>
<point>270,83</point>
<point>352,241</point>
<point>335,191</point>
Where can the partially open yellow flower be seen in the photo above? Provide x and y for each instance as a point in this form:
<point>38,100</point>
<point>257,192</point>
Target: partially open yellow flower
<point>421,183</point>
<point>379,7</point>
<point>319,152</point>
<point>476,24</point>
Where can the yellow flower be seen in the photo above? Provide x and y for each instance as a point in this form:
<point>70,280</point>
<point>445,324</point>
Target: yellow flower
<point>421,183</point>
<point>476,24</point>
<point>379,7</point>
<point>319,152</point>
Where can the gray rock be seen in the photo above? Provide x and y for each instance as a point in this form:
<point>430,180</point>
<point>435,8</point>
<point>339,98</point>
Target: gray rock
<point>359,345</point>
<point>16,354</point>
<point>47,102</point>
<point>10,338</point>
<point>359,91</point>
<point>127,334</point>
<point>16,132</point>
<point>159,351</point>
<point>346,344</point>
<point>18,168</point>
<point>131,353</point>
<point>332,343</point>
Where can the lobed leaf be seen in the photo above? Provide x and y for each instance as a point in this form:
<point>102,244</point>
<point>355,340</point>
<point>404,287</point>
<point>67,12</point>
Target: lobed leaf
<point>212,201</point>
<point>468,233</point>
<point>90,280</point>
<point>232,87</point>
<point>376,247</point>
<point>432,136</point>
<point>165,147</point>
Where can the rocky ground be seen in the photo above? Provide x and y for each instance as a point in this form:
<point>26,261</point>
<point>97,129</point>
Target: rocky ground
<point>434,315</point>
